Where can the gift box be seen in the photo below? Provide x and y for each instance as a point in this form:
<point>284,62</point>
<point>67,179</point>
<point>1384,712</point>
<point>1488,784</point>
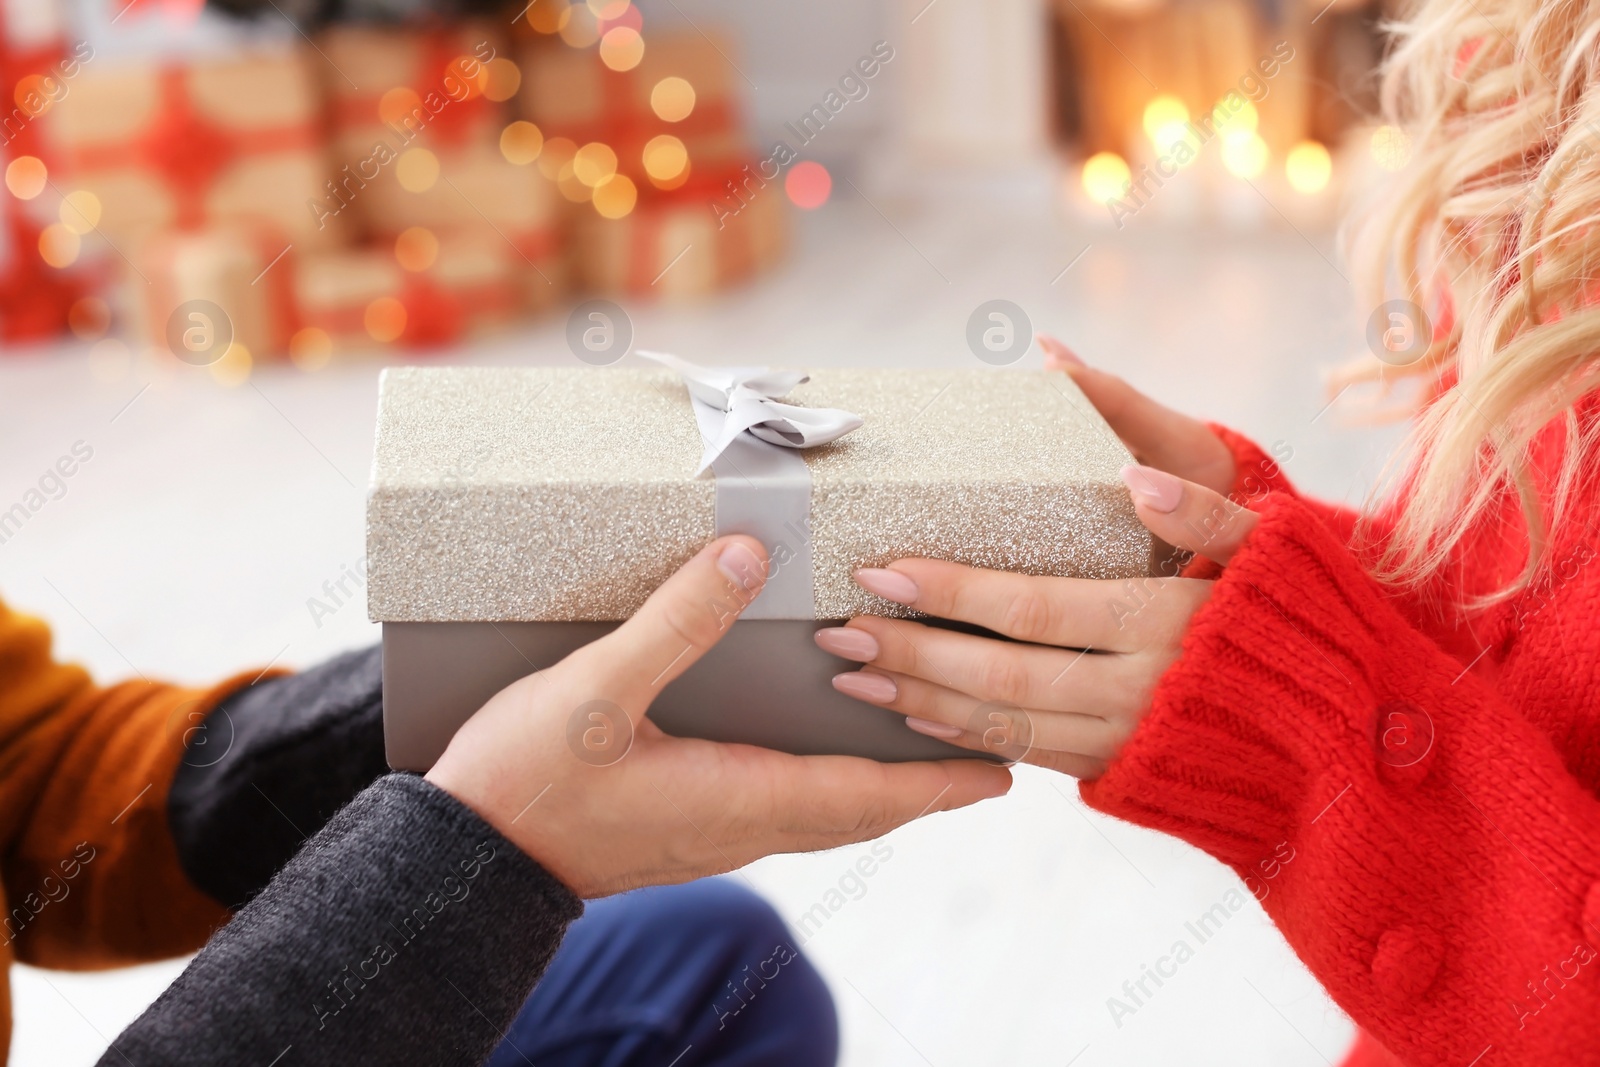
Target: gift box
<point>436,86</point>
<point>467,283</point>
<point>690,243</point>
<point>515,514</point>
<point>165,146</point>
<point>195,292</point>
<point>682,87</point>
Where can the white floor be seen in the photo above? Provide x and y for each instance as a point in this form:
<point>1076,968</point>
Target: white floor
<point>188,547</point>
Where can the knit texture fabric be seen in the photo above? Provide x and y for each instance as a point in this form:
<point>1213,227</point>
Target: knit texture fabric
<point>1435,779</point>
<point>406,931</point>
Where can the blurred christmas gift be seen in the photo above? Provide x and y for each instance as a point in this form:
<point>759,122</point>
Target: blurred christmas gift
<point>661,106</point>
<point>162,146</point>
<point>693,241</point>
<point>198,292</point>
<point>427,290</point>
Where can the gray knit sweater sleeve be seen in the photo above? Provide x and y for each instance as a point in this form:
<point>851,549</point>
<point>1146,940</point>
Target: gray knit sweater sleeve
<point>406,931</point>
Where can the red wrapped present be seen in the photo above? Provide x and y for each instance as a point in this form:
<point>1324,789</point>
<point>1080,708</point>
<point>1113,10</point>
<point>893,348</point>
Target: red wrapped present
<point>465,284</point>
<point>686,243</point>
<point>198,291</point>
<point>438,87</point>
<point>683,87</point>
<point>164,146</point>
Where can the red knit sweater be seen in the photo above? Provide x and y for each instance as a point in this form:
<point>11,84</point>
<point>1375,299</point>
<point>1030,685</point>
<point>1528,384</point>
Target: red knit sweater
<point>1435,775</point>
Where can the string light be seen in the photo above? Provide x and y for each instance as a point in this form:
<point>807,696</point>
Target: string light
<point>1308,167</point>
<point>1244,153</point>
<point>672,99</point>
<point>621,48</point>
<point>233,369</point>
<point>521,142</point>
<point>80,211</point>
<point>1161,114</point>
<point>416,249</point>
<point>59,246</point>
<point>808,184</point>
<point>26,176</point>
<point>311,348</point>
<point>398,104</point>
<point>665,160</point>
<point>594,163</point>
<point>88,318</point>
<point>615,197</point>
<point>416,170</point>
<point>385,319</point>
<point>581,29</point>
<point>558,152</point>
<point>548,16</point>
<point>1105,176</point>
<point>501,79</point>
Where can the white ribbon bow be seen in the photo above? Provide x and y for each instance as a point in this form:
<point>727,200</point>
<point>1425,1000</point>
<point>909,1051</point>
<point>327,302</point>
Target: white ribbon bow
<point>748,397</point>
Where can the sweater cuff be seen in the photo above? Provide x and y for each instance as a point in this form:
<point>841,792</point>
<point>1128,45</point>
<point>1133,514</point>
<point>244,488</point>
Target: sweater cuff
<point>408,930</point>
<point>270,766</point>
<point>1272,709</point>
<point>1255,474</point>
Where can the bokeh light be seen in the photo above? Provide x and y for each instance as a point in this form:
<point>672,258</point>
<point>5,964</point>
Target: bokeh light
<point>594,163</point>
<point>501,79</point>
<point>621,48</point>
<point>672,99</point>
<point>558,152</point>
<point>570,187</point>
<point>385,319</point>
<point>615,197</point>
<point>666,160</point>
<point>80,211</point>
<point>416,170</point>
<point>1391,147</point>
<point>1244,153</point>
<point>233,368</point>
<point>808,184</point>
<point>548,16</point>
<point>26,177</point>
<point>416,248</point>
<point>89,318</point>
<point>311,348</point>
<point>1161,114</point>
<point>1308,167</point>
<point>581,28</point>
<point>473,74</point>
<point>396,104</point>
<point>59,246</point>
<point>608,9</point>
<point>1105,176</point>
<point>33,95</point>
<point>520,142</point>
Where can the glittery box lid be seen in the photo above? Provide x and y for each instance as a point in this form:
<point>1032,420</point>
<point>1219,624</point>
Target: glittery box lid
<point>569,494</point>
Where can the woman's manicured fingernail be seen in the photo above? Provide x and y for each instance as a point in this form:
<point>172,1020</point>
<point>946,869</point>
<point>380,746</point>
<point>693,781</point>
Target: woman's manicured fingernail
<point>849,643</point>
<point>1057,353</point>
<point>741,566</point>
<point>1156,490</point>
<point>891,585</point>
<point>933,729</point>
<point>873,688</point>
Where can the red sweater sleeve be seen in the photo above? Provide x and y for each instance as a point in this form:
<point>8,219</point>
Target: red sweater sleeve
<point>1418,841</point>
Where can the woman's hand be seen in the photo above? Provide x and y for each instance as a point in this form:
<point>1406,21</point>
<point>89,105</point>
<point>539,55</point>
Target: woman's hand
<point>1156,435</point>
<point>565,765</point>
<point>1077,679</point>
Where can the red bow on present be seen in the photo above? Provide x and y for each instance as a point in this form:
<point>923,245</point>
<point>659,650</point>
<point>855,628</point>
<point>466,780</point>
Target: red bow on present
<point>187,148</point>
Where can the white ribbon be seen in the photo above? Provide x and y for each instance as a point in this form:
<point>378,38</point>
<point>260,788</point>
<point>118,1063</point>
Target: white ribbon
<point>748,398</point>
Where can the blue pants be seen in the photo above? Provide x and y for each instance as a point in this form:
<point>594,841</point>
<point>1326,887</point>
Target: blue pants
<point>679,976</point>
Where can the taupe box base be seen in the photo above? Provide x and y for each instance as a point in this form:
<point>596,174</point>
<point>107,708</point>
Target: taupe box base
<point>765,683</point>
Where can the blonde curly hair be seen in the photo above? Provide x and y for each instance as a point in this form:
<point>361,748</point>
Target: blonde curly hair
<point>1493,226</point>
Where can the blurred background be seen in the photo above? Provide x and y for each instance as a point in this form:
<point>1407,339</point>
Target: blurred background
<point>218,226</point>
